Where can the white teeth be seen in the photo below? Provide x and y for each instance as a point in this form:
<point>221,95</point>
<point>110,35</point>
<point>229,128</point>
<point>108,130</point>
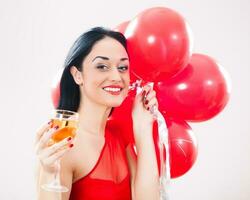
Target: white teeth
<point>112,89</point>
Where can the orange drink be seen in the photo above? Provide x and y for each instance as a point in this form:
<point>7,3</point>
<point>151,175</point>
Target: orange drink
<point>67,128</point>
<point>67,122</point>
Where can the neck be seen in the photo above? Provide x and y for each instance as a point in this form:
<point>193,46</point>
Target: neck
<point>93,117</point>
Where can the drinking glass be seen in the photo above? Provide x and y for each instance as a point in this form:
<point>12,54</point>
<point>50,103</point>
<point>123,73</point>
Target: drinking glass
<point>67,121</point>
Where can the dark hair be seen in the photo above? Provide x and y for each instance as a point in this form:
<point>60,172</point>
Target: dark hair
<point>69,90</point>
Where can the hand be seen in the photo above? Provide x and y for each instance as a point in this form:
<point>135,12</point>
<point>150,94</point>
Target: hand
<point>142,117</point>
<point>49,154</point>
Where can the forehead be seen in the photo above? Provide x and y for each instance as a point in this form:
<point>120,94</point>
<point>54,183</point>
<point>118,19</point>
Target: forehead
<point>108,47</point>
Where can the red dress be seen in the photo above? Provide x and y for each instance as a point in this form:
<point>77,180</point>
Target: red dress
<point>110,177</point>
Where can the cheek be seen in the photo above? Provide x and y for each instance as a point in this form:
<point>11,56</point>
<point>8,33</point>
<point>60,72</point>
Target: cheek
<point>94,80</point>
<point>126,78</point>
<point>90,86</point>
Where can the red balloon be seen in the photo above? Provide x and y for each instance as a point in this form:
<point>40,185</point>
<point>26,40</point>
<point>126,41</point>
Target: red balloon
<point>183,147</point>
<point>158,41</point>
<point>55,89</point>
<point>198,93</point>
<point>121,27</point>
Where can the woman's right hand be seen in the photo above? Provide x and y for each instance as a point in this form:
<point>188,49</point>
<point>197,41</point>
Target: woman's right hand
<point>47,155</point>
<point>141,115</point>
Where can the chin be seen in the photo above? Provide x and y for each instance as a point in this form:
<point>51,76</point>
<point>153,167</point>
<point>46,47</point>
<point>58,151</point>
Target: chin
<point>114,103</point>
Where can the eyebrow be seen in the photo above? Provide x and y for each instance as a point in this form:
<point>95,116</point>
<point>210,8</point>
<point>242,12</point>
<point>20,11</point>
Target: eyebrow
<point>106,58</point>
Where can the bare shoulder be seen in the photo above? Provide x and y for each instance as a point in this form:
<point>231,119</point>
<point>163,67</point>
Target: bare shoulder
<point>82,157</point>
<point>73,158</point>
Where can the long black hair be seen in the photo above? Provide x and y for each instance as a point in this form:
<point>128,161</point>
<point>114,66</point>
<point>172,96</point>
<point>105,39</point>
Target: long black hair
<point>69,90</point>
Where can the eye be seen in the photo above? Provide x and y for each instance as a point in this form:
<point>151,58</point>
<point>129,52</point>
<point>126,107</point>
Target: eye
<point>102,67</point>
<point>123,68</point>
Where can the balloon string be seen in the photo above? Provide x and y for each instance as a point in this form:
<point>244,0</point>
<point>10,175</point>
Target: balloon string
<point>163,143</point>
<point>165,165</point>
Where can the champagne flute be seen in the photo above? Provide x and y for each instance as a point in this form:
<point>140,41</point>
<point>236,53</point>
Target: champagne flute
<point>67,121</point>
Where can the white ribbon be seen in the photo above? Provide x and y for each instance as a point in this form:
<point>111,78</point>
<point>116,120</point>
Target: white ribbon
<point>163,143</point>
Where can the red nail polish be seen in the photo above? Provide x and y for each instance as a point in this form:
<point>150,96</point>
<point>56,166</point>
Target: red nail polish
<point>56,127</point>
<point>71,145</point>
<point>50,122</point>
<point>146,102</point>
<point>70,138</point>
<point>147,108</point>
<point>143,93</point>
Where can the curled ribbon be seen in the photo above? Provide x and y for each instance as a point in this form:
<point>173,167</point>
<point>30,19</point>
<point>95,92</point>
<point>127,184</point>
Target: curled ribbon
<point>163,143</point>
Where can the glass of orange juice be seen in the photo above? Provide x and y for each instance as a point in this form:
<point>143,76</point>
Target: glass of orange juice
<point>67,121</point>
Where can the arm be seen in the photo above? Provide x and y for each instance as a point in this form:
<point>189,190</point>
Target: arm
<point>147,178</point>
<point>144,169</point>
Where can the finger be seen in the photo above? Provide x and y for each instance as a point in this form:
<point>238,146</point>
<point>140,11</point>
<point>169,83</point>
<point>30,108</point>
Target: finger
<point>139,97</point>
<point>150,96</point>
<point>44,139</point>
<point>151,103</point>
<point>44,128</point>
<point>56,147</point>
<point>51,160</point>
<point>142,95</point>
<point>147,88</point>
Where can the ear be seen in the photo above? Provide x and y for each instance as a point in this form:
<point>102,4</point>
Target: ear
<point>77,75</point>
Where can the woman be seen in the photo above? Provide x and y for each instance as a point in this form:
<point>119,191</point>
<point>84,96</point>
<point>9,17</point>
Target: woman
<point>99,166</point>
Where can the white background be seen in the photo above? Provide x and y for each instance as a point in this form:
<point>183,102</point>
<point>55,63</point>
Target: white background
<point>34,39</point>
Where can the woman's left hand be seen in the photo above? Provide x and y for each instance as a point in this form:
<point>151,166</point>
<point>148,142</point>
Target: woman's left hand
<point>142,117</point>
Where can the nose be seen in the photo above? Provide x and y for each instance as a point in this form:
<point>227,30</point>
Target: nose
<point>115,75</point>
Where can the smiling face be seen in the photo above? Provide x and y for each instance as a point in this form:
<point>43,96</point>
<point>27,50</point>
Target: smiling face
<point>105,73</point>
